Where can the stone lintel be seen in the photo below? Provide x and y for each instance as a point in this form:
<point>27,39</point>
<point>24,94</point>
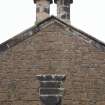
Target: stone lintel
<point>50,84</point>
<point>51,77</point>
<point>51,91</point>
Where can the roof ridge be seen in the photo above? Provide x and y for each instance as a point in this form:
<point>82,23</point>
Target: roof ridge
<point>36,28</point>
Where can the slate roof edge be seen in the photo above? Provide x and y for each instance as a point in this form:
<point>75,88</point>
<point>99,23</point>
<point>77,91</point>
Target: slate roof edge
<point>36,28</point>
<point>16,39</point>
<point>82,32</point>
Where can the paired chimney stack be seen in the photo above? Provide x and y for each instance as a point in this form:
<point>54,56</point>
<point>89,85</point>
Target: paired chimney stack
<point>43,9</point>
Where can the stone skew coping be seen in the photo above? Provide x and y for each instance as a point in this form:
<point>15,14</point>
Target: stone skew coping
<point>51,88</point>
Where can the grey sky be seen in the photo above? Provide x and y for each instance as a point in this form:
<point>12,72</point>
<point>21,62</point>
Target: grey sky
<point>18,15</point>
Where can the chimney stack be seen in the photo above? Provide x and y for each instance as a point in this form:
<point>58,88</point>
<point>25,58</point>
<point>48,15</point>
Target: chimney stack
<point>63,9</point>
<point>42,9</point>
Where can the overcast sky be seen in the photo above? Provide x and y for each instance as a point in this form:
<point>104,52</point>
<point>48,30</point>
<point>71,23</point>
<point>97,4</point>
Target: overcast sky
<point>18,15</point>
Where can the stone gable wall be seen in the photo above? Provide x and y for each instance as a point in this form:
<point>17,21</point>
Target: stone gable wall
<point>53,51</point>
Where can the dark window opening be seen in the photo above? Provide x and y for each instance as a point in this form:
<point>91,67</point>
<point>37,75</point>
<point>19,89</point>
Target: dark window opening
<point>46,10</point>
<point>37,9</point>
<point>63,16</point>
<point>51,89</point>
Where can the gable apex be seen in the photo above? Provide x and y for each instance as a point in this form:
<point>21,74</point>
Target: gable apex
<point>43,24</point>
